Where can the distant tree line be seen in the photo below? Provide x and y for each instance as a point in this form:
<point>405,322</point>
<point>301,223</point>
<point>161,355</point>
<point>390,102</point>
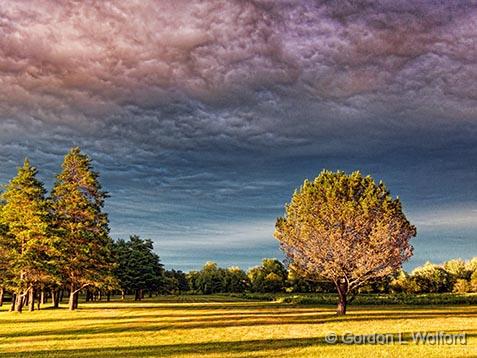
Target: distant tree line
<point>272,276</point>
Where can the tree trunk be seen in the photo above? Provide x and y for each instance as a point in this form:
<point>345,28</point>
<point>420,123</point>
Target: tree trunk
<point>123,294</point>
<point>31,300</point>
<point>71,302</point>
<point>100,295</point>
<point>60,297</point>
<point>20,300</point>
<point>137,297</point>
<point>76,297</point>
<point>55,298</point>
<point>13,303</point>
<point>42,297</point>
<point>341,310</point>
<point>342,289</point>
<point>108,296</point>
<point>2,293</point>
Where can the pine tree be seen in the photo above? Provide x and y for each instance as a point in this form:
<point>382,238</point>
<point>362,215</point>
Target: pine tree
<point>347,229</point>
<point>139,268</point>
<point>78,200</point>
<point>4,259</point>
<point>26,242</point>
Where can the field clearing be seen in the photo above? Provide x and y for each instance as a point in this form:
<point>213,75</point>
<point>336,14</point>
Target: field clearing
<point>217,326</point>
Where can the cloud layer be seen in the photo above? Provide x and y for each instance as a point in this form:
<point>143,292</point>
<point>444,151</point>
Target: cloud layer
<point>205,113</point>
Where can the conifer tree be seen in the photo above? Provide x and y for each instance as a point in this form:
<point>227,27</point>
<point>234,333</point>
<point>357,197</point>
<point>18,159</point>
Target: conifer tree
<point>26,242</point>
<point>4,267</point>
<point>139,268</point>
<point>78,200</point>
<point>347,229</point>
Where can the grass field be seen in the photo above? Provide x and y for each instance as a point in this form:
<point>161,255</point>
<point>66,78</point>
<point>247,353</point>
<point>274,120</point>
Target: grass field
<point>218,326</point>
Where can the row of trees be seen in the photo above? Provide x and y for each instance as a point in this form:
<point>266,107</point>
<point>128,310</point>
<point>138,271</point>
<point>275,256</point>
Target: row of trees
<point>273,276</point>
<point>54,241</point>
<point>341,230</point>
<point>456,276</point>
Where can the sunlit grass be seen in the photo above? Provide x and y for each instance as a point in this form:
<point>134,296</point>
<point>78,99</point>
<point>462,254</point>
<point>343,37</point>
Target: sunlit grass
<point>214,326</point>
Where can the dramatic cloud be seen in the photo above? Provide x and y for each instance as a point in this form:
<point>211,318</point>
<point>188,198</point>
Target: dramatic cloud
<point>205,114</point>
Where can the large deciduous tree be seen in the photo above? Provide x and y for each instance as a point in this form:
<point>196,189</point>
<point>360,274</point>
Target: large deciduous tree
<point>26,242</point>
<point>345,228</point>
<point>78,199</point>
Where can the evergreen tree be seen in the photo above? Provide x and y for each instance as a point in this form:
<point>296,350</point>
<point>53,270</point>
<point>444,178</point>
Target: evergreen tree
<point>138,267</point>
<point>26,242</point>
<point>347,229</point>
<point>78,200</point>
<point>4,259</point>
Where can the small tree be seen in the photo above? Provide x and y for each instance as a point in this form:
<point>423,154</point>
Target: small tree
<point>432,278</point>
<point>271,276</point>
<point>175,282</point>
<point>211,278</point>
<point>345,228</point>
<point>236,280</point>
<point>458,269</point>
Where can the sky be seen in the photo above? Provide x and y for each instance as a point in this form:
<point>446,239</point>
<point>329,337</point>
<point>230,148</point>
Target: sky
<point>202,117</point>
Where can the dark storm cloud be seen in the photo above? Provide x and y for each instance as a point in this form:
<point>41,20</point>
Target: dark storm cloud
<point>203,116</point>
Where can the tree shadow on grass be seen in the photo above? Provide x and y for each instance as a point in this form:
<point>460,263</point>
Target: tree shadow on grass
<point>274,311</point>
<point>138,325</point>
<point>191,349</point>
<point>186,348</point>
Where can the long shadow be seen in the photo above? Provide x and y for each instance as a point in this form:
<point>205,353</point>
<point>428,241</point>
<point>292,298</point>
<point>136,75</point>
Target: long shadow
<point>185,306</point>
<point>243,347</point>
<point>237,312</point>
<point>186,348</point>
<point>264,309</point>
<point>212,322</point>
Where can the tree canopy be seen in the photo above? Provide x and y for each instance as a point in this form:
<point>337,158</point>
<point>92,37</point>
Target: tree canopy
<point>26,242</point>
<point>345,228</point>
<point>77,199</point>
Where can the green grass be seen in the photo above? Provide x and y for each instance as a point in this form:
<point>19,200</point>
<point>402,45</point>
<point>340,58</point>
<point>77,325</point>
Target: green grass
<point>224,326</point>
<point>367,299</point>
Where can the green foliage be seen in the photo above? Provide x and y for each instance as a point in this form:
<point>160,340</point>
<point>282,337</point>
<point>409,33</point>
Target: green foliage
<point>298,283</point>
<point>473,282</point>
<point>26,239</point>
<point>211,279</point>
<point>138,267</point>
<point>366,299</point>
<point>271,276</point>
<point>175,282</point>
<point>432,278</point>
<point>461,286</point>
<point>77,199</point>
<point>236,280</point>
<point>458,269</point>
<point>346,229</point>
